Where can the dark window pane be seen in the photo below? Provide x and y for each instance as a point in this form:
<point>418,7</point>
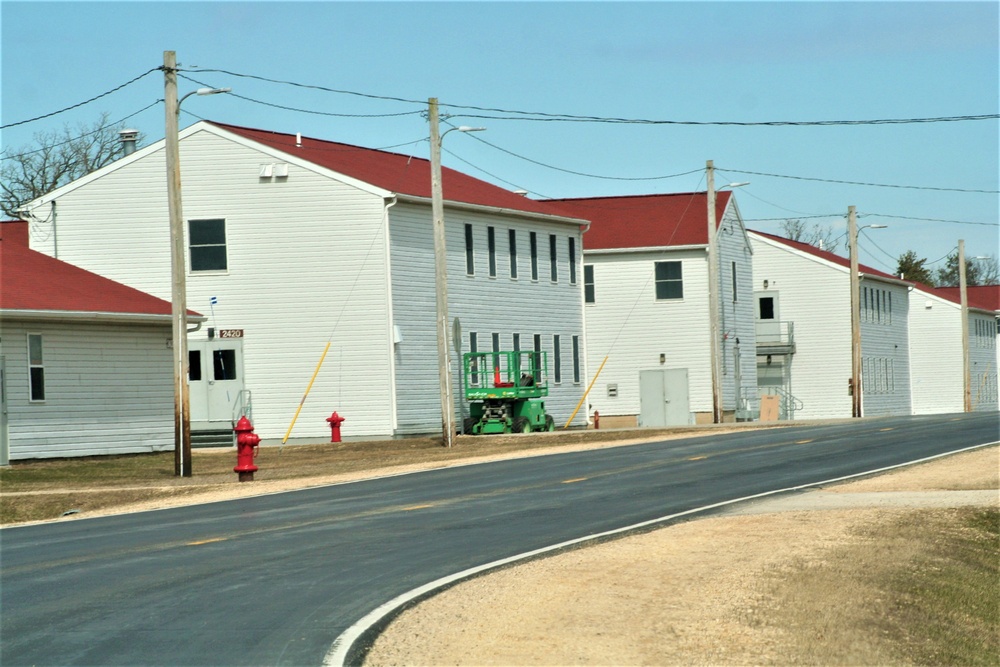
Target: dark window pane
<point>225,364</point>
<point>470,262</point>
<point>533,239</point>
<point>194,365</point>
<point>767,308</point>
<point>589,294</point>
<point>207,232</point>
<point>38,384</point>
<point>668,280</point>
<point>491,244</point>
<point>208,258</point>
<point>513,254</point>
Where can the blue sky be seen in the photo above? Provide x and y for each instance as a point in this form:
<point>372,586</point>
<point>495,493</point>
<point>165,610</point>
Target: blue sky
<point>707,61</point>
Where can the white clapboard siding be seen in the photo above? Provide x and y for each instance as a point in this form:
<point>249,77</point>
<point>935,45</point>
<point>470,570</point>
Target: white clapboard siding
<point>737,309</point>
<point>886,345</point>
<point>306,257</point>
<point>815,295</point>
<point>983,362</point>
<point>108,389</point>
<point>628,325</point>
<point>483,304</point>
<point>935,354</point>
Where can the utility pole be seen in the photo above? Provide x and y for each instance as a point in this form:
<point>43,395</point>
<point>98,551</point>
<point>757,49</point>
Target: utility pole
<point>852,240</point>
<point>713,295</point>
<point>178,288</point>
<point>964,297</point>
<point>440,277</point>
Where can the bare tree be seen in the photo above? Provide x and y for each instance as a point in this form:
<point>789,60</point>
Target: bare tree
<point>977,271</point>
<point>56,158</point>
<point>815,235</point>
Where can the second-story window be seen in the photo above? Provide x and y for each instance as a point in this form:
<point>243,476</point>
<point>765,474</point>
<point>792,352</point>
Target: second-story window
<point>470,260</point>
<point>553,261</point>
<point>533,242</point>
<point>589,296</point>
<point>513,253</point>
<point>208,245</point>
<point>669,282</point>
<point>491,245</point>
<point>572,261</point>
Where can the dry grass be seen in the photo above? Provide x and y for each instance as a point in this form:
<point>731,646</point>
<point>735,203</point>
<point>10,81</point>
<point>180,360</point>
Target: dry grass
<point>918,588</point>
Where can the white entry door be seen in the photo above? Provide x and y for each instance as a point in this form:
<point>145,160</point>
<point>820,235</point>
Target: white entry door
<point>215,380</point>
<point>663,397</point>
<point>768,318</point>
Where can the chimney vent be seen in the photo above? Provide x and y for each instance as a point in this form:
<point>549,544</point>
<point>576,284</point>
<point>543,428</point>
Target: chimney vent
<point>128,139</point>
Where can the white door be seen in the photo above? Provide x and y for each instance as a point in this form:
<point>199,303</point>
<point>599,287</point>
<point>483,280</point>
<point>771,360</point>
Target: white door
<point>768,318</point>
<point>663,397</point>
<point>215,381</point>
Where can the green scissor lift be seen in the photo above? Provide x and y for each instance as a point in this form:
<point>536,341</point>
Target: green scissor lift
<point>504,391</point>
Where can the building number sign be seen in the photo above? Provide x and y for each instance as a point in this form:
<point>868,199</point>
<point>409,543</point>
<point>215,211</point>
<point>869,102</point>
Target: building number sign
<point>230,333</point>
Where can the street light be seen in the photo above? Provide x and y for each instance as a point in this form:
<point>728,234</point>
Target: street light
<point>441,270</point>
<point>713,291</point>
<point>855,284</point>
<point>178,293</point>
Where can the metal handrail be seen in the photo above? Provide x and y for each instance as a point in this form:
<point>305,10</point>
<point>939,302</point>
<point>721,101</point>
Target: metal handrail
<point>243,406</point>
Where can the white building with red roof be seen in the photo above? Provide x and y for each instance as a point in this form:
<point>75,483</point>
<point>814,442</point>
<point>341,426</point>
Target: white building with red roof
<point>937,366</point>
<point>294,243</point>
<point>647,308</point>
<point>803,301</point>
<point>86,367</point>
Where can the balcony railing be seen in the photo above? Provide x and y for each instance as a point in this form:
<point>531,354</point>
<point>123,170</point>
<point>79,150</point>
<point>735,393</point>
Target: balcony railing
<point>775,337</point>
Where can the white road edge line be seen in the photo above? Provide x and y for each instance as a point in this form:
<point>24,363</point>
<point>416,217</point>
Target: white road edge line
<point>341,647</point>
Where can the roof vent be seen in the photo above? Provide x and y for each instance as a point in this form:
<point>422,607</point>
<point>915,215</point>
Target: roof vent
<point>523,193</point>
<point>298,140</point>
<point>128,139</point>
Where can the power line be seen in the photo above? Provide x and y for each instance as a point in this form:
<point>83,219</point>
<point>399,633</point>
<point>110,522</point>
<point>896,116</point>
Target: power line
<point>86,134</point>
<point>876,185</point>
<point>543,116</point>
<point>308,111</point>
<point>578,173</point>
<point>80,104</point>
<point>954,222</point>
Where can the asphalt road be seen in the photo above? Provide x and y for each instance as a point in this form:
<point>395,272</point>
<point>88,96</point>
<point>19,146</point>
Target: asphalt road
<point>276,579</point>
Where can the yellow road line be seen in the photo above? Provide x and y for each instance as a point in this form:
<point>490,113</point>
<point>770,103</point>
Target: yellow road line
<point>416,507</point>
<point>803,442</point>
<point>697,458</point>
<point>214,539</point>
<point>891,428</point>
<point>573,481</point>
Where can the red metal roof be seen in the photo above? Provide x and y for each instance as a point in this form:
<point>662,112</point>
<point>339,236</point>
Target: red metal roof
<point>395,172</point>
<point>644,221</point>
<point>34,281</point>
<point>829,256</point>
<point>14,231</point>
<point>986,297</point>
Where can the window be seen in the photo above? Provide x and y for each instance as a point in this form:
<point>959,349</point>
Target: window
<point>496,342</point>
<point>766,307</point>
<point>576,359</point>
<point>474,362</point>
<point>888,295</point>
<point>470,261</point>
<point>537,361</point>
<point>491,245</point>
<point>572,261</point>
<point>513,254</point>
<point>668,281</point>
<point>515,342</point>
<point>556,361</point>
<point>735,295</point>
<point>533,238</point>
<point>36,368</point>
<point>224,363</point>
<point>208,245</point>
<point>553,262</point>
<point>194,365</point>
<point>588,283</point>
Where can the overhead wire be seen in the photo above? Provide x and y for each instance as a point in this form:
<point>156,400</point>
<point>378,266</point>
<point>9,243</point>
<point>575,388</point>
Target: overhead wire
<point>875,185</point>
<point>80,104</point>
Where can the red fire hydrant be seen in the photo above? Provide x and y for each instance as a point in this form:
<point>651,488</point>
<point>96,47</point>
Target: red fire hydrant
<point>597,419</point>
<point>246,449</point>
<point>335,421</point>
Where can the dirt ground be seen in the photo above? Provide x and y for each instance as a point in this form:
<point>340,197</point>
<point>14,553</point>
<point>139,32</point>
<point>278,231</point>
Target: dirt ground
<point>695,593</point>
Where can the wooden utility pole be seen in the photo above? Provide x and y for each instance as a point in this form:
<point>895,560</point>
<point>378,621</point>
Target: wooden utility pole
<point>178,287</point>
<point>964,297</point>
<point>856,379</point>
<point>440,277</point>
<point>713,295</point>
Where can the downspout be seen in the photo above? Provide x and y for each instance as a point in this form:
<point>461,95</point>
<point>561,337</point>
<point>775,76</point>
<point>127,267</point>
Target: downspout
<point>55,234</point>
<point>393,418</point>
